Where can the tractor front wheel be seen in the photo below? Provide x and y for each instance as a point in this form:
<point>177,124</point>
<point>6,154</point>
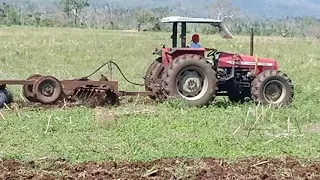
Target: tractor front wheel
<point>272,87</point>
<point>191,78</point>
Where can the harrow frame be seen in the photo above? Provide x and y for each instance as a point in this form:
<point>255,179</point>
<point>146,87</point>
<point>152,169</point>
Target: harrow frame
<point>102,91</point>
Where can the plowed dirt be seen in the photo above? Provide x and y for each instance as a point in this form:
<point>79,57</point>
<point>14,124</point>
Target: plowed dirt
<point>206,168</point>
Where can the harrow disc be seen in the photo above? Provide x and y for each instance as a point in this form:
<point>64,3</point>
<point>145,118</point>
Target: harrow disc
<point>95,96</point>
<point>83,94</point>
<point>27,89</point>
<point>47,90</point>
<point>111,98</point>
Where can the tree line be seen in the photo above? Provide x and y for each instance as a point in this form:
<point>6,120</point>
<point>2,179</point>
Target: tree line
<point>79,14</point>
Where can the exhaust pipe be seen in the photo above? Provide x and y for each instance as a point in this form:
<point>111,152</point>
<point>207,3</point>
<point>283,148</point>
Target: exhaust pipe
<point>251,42</point>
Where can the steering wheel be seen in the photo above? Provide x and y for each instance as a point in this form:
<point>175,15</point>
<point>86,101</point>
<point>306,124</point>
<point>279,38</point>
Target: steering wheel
<point>212,51</point>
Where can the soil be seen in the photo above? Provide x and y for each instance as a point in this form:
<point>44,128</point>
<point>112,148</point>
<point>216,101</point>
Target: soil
<point>206,168</point>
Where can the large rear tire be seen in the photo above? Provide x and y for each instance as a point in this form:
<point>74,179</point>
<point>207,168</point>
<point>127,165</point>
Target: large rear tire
<point>272,87</point>
<point>191,78</point>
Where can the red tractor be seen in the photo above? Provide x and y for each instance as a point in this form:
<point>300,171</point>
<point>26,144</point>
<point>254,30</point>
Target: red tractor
<point>189,74</point>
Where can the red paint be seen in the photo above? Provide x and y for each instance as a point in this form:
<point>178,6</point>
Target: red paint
<point>225,60</point>
<point>167,58</point>
<point>246,62</point>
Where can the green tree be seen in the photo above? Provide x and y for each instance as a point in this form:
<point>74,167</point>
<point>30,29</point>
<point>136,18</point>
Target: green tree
<point>9,15</point>
<point>143,17</point>
<point>74,6</point>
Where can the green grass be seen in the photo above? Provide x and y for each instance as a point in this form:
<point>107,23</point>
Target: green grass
<point>125,133</point>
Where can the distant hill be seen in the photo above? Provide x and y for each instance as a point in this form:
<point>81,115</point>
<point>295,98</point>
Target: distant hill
<point>281,8</point>
<point>258,8</point>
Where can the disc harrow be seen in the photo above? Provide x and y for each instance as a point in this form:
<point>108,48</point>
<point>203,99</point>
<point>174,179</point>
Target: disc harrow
<point>49,90</point>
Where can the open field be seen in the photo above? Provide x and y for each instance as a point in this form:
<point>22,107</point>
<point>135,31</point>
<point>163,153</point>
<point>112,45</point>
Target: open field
<point>141,130</point>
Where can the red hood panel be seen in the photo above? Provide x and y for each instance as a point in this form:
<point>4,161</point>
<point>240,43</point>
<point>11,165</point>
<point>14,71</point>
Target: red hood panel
<point>246,61</point>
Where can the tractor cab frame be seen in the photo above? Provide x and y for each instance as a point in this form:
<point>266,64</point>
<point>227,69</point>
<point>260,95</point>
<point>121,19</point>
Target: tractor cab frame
<point>169,53</point>
<point>176,20</point>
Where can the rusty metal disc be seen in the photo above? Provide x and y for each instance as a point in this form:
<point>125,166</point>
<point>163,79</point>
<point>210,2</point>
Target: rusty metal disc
<point>47,90</point>
<point>27,89</point>
<point>112,98</point>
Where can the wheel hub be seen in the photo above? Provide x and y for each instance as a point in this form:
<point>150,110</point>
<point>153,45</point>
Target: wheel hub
<point>190,84</point>
<point>274,91</point>
<point>47,89</point>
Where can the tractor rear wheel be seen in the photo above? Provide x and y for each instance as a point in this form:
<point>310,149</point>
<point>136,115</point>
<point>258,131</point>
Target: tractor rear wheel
<point>272,87</point>
<point>192,78</point>
<point>153,74</point>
